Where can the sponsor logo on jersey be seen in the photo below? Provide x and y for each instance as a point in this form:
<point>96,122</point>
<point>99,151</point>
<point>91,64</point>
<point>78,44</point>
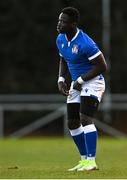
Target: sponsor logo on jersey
<point>62,45</point>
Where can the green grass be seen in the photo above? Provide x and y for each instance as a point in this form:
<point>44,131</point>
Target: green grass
<point>49,158</point>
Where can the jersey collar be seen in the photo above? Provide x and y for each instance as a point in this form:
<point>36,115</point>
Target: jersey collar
<point>74,36</point>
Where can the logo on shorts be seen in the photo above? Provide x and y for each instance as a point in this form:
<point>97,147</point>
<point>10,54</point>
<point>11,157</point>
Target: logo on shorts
<point>86,90</point>
<point>75,49</point>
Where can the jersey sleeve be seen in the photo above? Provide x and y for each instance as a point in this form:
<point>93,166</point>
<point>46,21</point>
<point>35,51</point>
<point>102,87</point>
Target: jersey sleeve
<point>91,49</point>
<point>58,46</point>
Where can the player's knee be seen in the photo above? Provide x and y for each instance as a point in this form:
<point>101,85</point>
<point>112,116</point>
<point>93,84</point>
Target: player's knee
<point>73,115</point>
<point>88,109</point>
<point>73,123</point>
<point>86,120</point>
<point>89,106</point>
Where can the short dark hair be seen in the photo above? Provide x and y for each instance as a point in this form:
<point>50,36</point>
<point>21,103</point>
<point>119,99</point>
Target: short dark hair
<point>72,12</point>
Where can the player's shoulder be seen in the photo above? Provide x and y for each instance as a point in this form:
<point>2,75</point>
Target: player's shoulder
<point>59,40</point>
<point>60,37</point>
<point>88,41</point>
<point>84,35</point>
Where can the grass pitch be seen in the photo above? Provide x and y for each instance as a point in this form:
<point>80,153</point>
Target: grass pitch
<point>49,158</point>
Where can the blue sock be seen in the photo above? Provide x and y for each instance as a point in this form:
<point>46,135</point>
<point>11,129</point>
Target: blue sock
<point>91,140</point>
<point>79,139</point>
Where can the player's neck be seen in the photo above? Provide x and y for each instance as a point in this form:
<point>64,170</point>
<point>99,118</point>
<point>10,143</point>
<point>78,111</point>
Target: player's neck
<point>71,34</point>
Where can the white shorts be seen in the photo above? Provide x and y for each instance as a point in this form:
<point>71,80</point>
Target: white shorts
<point>94,88</point>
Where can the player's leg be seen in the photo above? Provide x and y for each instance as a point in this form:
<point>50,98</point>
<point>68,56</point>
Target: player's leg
<point>74,125</point>
<point>91,94</point>
<point>76,131</point>
<point>88,109</point>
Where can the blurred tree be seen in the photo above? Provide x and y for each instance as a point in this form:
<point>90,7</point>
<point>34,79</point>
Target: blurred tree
<point>118,46</point>
<point>28,30</point>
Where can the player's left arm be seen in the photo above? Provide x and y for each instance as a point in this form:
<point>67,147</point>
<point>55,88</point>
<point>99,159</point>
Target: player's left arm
<point>100,66</point>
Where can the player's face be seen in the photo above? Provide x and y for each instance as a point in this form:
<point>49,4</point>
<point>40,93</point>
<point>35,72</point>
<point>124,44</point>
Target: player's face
<point>64,24</point>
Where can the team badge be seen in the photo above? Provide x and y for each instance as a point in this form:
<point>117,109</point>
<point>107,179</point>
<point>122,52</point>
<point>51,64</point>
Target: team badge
<point>75,49</point>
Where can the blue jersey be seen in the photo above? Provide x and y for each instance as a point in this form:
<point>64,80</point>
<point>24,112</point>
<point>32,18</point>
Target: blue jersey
<point>77,53</point>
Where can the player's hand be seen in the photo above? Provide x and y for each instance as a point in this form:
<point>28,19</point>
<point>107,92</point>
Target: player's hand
<point>77,86</point>
<point>63,88</point>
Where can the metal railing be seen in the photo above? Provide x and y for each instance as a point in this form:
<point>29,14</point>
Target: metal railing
<point>55,103</point>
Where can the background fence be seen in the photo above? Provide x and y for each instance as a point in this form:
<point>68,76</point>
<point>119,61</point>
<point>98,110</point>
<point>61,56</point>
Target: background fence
<point>54,107</point>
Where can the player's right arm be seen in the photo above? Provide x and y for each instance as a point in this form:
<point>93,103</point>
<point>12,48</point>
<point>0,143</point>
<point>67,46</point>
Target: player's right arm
<point>61,77</point>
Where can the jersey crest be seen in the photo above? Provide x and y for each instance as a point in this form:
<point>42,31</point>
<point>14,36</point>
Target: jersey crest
<point>75,49</point>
